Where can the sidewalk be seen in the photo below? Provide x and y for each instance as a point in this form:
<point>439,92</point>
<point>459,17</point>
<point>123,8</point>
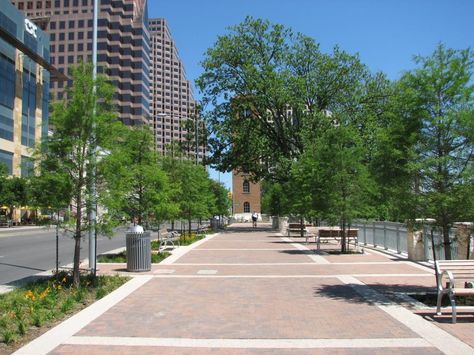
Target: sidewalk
<point>252,291</point>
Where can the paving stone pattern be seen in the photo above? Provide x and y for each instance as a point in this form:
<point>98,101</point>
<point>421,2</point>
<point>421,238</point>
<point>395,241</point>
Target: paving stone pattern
<point>253,291</point>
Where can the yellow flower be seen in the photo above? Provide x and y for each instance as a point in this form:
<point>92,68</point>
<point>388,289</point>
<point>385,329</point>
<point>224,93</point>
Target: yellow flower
<point>30,295</point>
<point>44,293</point>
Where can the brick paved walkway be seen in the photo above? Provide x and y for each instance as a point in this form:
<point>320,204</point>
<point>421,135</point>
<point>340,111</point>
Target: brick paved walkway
<point>250,291</point>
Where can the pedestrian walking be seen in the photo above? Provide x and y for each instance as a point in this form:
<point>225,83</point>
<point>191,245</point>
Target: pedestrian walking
<point>254,219</point>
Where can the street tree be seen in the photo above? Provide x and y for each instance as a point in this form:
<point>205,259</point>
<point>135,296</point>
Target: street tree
<point>77,130</point>
<point>443,90</point>
<point>191,189</point>
<point>138,187</point>
<point>13,193</point>
<point>331,180</point>
<point>263,86</point>
<point>222,204</point>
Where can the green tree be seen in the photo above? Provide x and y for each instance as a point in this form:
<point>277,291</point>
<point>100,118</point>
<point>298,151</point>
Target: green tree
<point>77,130</point>
<point>222,204</point>
<point>191,189</point>
<point>443,90</point>
<point>274,198</point>
<point>13,192</point>
<point>331,179</point>
<point>138,187</point>
<point>265,86</point>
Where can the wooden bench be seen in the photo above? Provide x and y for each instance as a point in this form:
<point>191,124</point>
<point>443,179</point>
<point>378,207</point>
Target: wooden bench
<point>456,273</point>
<point>327,234</point>
<point>295,228</point>
<point>168,238</point>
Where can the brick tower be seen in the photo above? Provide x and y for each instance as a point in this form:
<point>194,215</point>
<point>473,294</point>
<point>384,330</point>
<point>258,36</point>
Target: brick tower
<point>246,195</point>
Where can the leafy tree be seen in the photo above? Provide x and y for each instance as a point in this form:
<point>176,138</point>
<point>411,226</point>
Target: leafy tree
<point>192,189</point>
<point>13,192</point>
<point>331,180</point>
<point>222,204</point>
<point>68,151</point>
<point>442,90</point>
<point>267,86</point>
<point>274,198</point>
<point>138,187</point>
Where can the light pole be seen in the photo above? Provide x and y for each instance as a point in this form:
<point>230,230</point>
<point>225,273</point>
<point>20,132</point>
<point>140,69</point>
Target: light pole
<point>92,162</point>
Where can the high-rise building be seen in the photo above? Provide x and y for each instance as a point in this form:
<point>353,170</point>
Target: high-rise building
<point>25,74</point>
<point>24,88</point>
<point>123,49</point>
<point>173,108</point>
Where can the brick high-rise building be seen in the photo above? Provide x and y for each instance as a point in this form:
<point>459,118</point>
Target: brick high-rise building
<point>173,108</point>
<point>123,48</point>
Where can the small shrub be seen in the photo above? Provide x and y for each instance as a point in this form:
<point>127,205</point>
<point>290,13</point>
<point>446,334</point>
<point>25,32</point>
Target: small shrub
<point>156,258</point>
<point>9,336</point>
<point>67,305</point>
<point>37,318</point>
<point>101,292</point>
<point>112,258</point>
<point>22,327</point>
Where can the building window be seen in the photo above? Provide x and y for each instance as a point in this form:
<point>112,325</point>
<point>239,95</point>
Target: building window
<point>246,207</point>
<point>7,159</point>
<point>7,78</point>
<point>28,119</point>
<point>246,186</point>
<point>6,127</point>
<point>27,166</point>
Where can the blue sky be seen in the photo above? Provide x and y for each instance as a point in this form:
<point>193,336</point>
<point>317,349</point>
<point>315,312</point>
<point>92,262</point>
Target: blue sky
<point>385,33</point>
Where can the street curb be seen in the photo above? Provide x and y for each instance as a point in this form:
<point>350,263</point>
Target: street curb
<point>181,251</point>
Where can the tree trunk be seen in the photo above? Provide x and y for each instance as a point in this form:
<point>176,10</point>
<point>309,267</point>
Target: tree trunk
<point>343,236</point>
<point>77,243</point>
<point>301,227</point>
<point>189,227</point>
<point>77,254</point>
<point>446,241</point>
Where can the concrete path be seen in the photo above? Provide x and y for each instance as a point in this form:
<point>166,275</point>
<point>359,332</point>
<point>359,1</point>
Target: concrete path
<point>252,291</point>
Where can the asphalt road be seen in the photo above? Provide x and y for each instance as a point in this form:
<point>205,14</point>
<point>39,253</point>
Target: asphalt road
<point>27,252</point>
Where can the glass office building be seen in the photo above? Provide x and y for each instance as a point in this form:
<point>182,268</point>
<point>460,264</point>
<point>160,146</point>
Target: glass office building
<point>24,88</point>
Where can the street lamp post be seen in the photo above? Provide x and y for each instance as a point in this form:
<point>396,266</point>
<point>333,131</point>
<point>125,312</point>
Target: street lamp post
<point>93,191</point>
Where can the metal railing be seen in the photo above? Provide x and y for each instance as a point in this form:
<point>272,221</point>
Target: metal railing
<point>389,235</point>
<point>393,236</point>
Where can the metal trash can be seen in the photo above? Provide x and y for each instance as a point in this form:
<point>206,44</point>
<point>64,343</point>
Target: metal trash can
<point>215,224</point>
<point>138,251</point>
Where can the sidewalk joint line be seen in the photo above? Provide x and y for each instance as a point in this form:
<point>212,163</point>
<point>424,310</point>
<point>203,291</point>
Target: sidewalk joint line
<point>251,343</point>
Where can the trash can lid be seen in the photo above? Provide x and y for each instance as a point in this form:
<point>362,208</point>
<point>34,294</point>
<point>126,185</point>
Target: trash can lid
<point>137,229</point>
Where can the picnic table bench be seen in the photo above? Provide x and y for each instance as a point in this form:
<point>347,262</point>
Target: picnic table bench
<point>168,238</point>
<point>456,273</point>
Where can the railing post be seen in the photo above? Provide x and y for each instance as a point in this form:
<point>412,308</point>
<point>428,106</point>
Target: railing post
<point>374,235</point>
<point>398,239</point>
<point>385,235</point>
<point>365,233</point>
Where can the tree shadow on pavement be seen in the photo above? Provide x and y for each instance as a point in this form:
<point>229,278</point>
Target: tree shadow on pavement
<point>297,252</point>
<point>377,293</point>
